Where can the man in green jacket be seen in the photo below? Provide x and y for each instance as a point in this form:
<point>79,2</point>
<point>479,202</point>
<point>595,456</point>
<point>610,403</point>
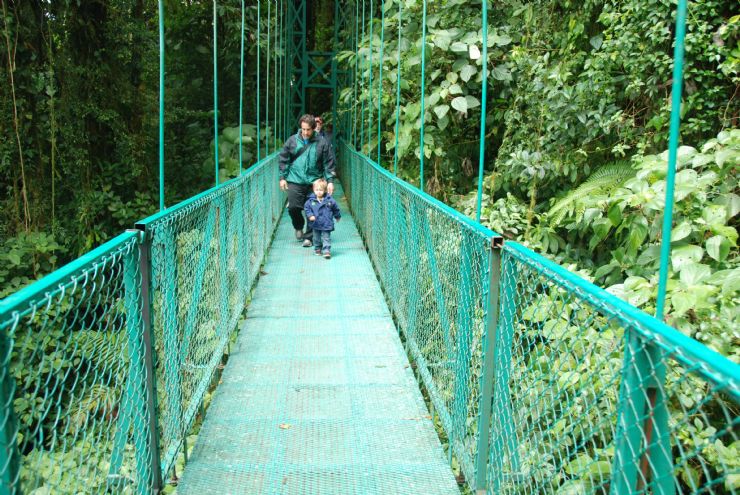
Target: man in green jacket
<point>304,158</point>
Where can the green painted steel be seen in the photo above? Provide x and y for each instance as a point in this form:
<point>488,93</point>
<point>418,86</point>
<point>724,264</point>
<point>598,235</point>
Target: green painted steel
<point>318,396</point>
<point>161,103</point>
<point>540,381</point>
<point>72,379</point>
<point>267,82</point>
<point>380,75</point>
<point>484,93</point>
<point>299,60</point>
<point>421,276</point>
<point>205,256</point>
<point>259,80</point>
<point>562,347</point>
<point>399,67</point>
<point>572,344</point>
<point>215,90</point>
<point>422,117</point>
<point>241,94</point>
<point>555,401</point>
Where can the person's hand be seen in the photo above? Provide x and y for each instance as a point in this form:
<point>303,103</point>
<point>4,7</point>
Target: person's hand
<point>330,188</point>
<point>283,185</point>
<point>312,218</point>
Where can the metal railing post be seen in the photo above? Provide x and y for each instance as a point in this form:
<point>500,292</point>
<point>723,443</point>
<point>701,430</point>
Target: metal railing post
<point>642,446</point>
<point>486,384</point>
<point>145,269</point>
<point>9,455</point>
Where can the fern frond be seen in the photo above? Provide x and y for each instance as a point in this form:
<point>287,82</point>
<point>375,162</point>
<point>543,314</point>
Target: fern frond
<point>592,191</point>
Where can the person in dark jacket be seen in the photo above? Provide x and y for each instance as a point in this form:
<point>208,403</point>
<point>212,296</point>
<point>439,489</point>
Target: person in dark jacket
<point>305,157</point>
<point>321,210</point>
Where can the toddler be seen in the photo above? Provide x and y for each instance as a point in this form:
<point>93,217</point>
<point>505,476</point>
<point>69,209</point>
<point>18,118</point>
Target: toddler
<point>321,210</point>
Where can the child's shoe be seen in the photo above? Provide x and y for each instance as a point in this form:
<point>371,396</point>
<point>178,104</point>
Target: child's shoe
<point>317,252</point>
<point>327,255</point>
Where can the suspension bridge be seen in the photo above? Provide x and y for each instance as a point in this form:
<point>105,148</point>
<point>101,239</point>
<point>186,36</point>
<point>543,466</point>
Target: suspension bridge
<point>205,347</point>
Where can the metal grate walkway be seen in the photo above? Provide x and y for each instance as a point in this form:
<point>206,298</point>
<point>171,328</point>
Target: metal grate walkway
<point>318,396</point>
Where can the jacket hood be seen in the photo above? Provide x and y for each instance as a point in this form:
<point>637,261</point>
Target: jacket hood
<point>313,196</point>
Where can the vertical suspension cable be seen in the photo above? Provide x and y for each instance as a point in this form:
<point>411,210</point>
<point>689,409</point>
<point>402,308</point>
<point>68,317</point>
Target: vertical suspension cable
<point>354,77</point>
<point>259,27</point>
<point>279,79</point>
<point>161,105</point>
<point>241,93</point>
<point>362,93</point>
<point>215,89</point>
<point>398,89</point>
<point>423,73</point>
<point>665,247</point>
<point>370,105</point>
<point>484,93</point>
<point>275,80</point>
<point>267,82</point>
<point>380,70</point>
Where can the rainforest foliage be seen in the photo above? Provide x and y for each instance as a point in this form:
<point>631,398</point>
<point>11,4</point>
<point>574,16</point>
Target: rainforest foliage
<point>577,121</point>
<point>79,118</point>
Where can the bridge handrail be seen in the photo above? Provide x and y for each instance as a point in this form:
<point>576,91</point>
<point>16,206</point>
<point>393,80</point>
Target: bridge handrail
<point>588,392</point>
<point>87,374</point>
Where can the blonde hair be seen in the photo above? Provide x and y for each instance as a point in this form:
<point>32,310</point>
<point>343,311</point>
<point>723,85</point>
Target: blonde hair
<point>320,183</point>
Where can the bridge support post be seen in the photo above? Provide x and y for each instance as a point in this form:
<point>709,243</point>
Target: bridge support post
<point>642,457</point>
<point>9,455</point>
<point>145,270</point>
<point>489,347</point>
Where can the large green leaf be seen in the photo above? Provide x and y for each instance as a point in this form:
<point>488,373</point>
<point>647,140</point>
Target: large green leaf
<point>682,256</point>
<point>460,104</point>
<point>718,247</point>
<point>467,72</point>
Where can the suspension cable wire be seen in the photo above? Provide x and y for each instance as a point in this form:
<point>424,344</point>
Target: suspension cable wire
<point>288,77</point>
<point>259,27</point>
<point>354,78</point>
<point>665,247</point>
<point>215,90</point>
<point>161,105</point>
<point>362,93</point>
<point>484,94</point>
<point>276,83</point>
<point>380,71</point>
<point>423,73</point>
<point>267,82</point>
<point>370,106</point>
<point>398,89</point>
<point>241,93</point>
<point>280,80</point>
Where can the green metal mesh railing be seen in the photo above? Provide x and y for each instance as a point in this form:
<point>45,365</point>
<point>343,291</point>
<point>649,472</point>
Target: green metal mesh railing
<point>433,265</point>
<point>587,394</point>
<point>106,362</point>
<point>585,383</point>
<point>205,256</point>
<point>74,409</point>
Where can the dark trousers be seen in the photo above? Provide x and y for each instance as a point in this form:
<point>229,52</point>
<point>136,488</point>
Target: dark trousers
<point>297,197</point>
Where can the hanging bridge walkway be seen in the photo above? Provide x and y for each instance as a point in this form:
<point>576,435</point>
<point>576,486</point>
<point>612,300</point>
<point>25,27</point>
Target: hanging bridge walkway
<point>429,355</point>
<point>318,395</point>
<point>533,379</point>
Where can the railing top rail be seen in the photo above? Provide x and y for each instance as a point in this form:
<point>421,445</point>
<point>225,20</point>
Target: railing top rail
<point>714,366</point>
<point>63,277</point>
<point>148,221</point>
<point>435,203</point>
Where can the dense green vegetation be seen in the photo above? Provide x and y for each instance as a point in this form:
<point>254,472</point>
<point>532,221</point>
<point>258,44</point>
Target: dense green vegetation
<point>78,119</point>
<point>576,128</point>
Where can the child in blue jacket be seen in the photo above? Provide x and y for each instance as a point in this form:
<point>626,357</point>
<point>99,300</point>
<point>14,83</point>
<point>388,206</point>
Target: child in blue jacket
<point>321,210</point>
